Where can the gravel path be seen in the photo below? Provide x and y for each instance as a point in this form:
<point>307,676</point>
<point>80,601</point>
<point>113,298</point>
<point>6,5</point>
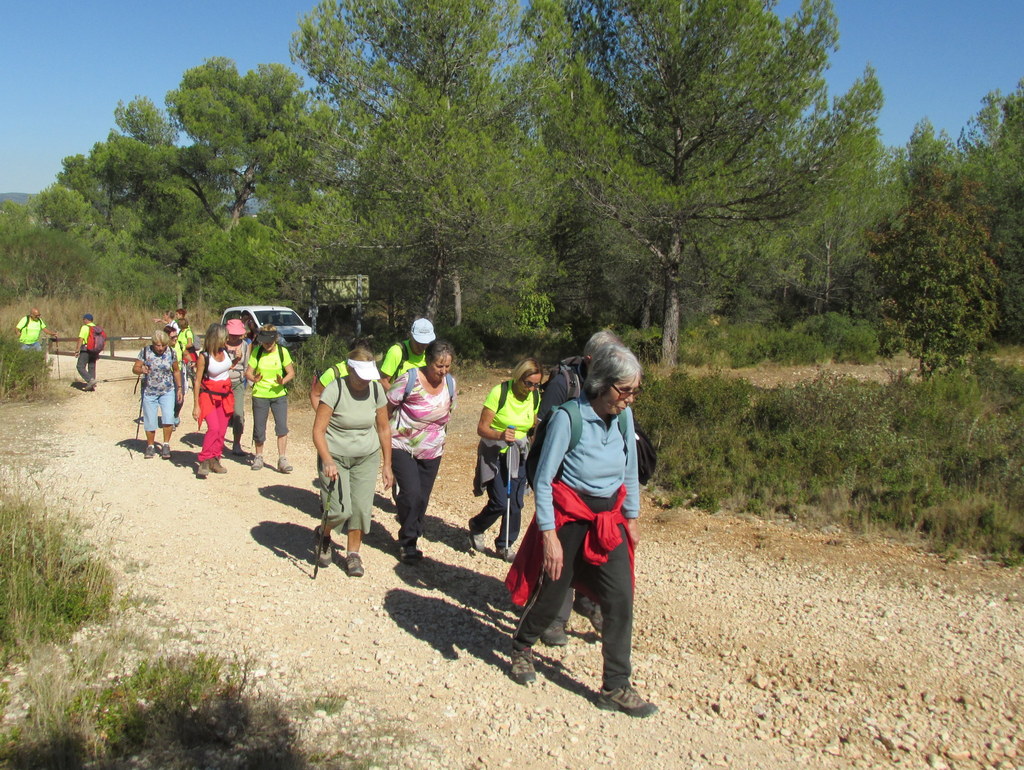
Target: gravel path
<point>763,646</point>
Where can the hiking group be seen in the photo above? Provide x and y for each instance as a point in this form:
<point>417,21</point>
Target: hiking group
<point>571,439</point>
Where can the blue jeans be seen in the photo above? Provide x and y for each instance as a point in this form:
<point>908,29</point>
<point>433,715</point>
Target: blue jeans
<point>165,403</point>
<point>37,345</point>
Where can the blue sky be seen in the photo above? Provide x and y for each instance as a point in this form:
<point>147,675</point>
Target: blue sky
<point>65,64</point>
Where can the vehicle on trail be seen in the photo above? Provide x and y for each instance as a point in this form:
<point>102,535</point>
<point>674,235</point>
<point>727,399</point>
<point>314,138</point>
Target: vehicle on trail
<point>292,331</point>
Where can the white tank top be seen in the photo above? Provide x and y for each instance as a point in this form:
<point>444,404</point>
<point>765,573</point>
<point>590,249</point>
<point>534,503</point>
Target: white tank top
<point>218,370</point>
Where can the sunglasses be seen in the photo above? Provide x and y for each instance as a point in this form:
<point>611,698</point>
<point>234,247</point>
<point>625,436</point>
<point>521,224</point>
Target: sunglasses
<point>628,392</point>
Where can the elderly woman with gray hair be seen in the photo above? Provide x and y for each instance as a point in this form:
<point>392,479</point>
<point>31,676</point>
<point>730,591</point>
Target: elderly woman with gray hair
<point>585,530</point>
<point>161,389</point>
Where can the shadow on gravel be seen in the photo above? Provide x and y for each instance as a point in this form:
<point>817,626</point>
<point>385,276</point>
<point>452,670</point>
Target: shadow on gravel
<point>287,541</point>
<point>449,628</point>
<point>304,500</point>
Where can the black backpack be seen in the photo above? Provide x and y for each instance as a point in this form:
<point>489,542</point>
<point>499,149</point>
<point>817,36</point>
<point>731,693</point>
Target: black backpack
<point>646,455</point>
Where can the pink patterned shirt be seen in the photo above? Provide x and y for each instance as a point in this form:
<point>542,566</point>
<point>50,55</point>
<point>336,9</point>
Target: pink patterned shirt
<point>419,424</point>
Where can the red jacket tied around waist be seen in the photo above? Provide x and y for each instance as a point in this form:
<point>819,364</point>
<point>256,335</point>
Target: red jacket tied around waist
<point>603,537</point>
<point>214,394</point>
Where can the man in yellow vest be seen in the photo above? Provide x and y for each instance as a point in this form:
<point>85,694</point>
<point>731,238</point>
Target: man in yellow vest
<point>30,328</point>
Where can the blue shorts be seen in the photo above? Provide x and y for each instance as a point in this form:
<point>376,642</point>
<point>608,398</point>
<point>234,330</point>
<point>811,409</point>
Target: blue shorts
<point>166,406</point>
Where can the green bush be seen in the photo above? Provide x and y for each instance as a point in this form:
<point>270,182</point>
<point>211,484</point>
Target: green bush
<point>645,343</point>
<point>50,584</point>
<point>944,457</point>
<point>464,339</point>
<point>847,340</point>
<point>23,373</point>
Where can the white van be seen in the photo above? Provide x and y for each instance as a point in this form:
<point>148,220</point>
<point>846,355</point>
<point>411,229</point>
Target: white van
<point>292,331</point>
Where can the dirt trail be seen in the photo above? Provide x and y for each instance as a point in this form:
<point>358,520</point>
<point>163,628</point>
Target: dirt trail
<point>763,646</point>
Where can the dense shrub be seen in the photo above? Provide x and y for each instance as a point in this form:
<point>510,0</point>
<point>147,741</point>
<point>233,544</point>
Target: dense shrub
<point>23,373</point>
<point>847,340</point>
<point>944,457</point>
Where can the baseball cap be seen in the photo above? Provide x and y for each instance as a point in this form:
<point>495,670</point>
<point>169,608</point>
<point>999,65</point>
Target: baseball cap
<point>364,370</point>
<point>87,316</point>
<point>234,326</point>
<point>423,331</point>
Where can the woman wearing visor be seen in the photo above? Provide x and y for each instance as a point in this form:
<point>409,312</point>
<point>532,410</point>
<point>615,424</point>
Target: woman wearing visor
<point>269,370</point>
<point>352,439</point>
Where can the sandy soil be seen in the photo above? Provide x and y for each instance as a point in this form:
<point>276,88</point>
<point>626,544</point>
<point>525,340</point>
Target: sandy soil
<point>764,646</point>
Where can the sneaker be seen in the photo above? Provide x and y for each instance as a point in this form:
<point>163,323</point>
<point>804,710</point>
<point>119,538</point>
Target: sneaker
<point>150,452</point>
<point>257,462</point>
<point>165,452</point>
<point>91,385</point>
<point>216,467</point>
<point>283,465</point>
<point>522,670</point>
<point>507,554</point>
<point>589,609</point>
<point>236,450</point>
<point>325,555</point>
<point>554,635</point>
<point>626,700</point>
<point>354,565</point>
<point>203,470</point>
<point>410,554</point>
<point>476,542</point>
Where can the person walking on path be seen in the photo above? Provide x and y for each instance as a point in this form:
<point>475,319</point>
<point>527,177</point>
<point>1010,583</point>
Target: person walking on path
<point>161,388</point>
<point>352,437</point>
<point>214,398</point>
<point>508,416</point>
<point>238,348</point>
<point>87,358</point>
<point>30,329</point>
<point>565,384</point>
<point>270,369</point>
<point>407,354</point>
<point>585,530</point>
<point>420,403</point>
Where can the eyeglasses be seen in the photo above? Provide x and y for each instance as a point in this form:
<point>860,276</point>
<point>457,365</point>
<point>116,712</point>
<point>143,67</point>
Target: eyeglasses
<point>628,392</point>
<point>530,385</point>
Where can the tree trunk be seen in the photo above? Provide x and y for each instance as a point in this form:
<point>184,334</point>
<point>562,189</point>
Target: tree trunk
<point>433,298</point>
<point>457,296</point>
<point>670,323</point>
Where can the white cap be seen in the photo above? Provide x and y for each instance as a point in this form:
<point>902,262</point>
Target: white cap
<point>364,370</point>
<point>423,331</point>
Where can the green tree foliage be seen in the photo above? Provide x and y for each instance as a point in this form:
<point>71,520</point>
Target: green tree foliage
<point>994,149</point>
<point>679,119</point>
<point>427,150</point>
<point>939,280</point>
<point>243,130</point>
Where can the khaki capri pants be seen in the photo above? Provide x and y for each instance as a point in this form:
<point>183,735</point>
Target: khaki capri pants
<point>350,502</point>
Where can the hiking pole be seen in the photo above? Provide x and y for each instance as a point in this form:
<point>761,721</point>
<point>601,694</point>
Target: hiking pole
<point>326,505</point>
<point>508,491</point>
<point>138,420</point>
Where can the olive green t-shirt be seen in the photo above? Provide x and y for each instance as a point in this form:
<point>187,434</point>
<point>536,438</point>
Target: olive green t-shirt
<point>352,431</point>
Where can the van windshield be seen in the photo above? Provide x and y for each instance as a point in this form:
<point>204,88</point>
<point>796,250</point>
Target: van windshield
<point>280,318</point>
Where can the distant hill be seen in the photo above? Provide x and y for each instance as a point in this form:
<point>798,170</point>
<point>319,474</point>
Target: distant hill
<point>16,197</point>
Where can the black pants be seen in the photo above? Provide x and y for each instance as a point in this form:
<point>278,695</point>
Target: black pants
<point>613,584</point>
<point>497,500</point>
<point>415,480</point>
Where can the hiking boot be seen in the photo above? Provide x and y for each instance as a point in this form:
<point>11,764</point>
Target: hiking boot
<point>476,542</point>
<point>324,557</point>
<point>522,670</point>
<point>203,470</point>
<point>589,609</point>
<point>165,452</point>
<point>410,554</point>
<point>626,700</point>
<point>283,465</point>
<point>216,467</point>
<point>257,462</point>
<point>507,554</point>
<point>91,385</point>
<point>554,635</point>
<point>354,565</point>
<point>150,452</point>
